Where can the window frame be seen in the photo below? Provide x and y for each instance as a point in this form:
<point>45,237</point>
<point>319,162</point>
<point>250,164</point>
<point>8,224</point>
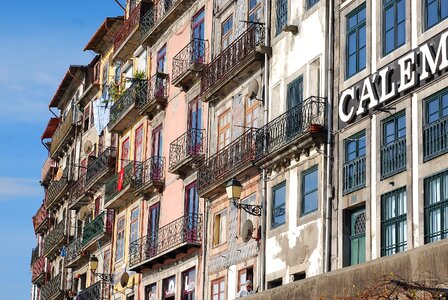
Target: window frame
<point>439,14</point>
<point>311,3</point>
<point>280,19</point>
<point>393,221</point>
<point>134,224</point>
<point>218,281</point>
<point>388,4</point>
<point>277,206</point>
<point>303,193</point>
<point>356,136</point>
<point>227,36</point>
<point>224,130</point>
<point>253,11</point>
<point>440,205</point>
<point>438,97</point>
<point>393,119</point>
<point>120,232</point>
<point>355,30</point>
<point>218,239</point>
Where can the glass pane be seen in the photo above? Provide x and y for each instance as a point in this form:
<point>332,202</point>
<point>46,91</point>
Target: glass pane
<point>362,145</point>
<point>389,41</point>
<point>362,249</point>
<point>389,18</point>
<point>351,66</point>
<point>362,59</point>
<point>351,44</point>
<point>401,11</point>
<point>362,36</point>
<point>310,181</point>
<point>444,9</point>
<point>433,110</point>
<point>310,202</point>
<point>431,14</point>
<point>352,21</point>
<point>362,15</point>
<point>354,254</point>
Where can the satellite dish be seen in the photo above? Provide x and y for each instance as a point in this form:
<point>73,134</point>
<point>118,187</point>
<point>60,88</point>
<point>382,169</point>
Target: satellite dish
<point>252,89</point>
<point>84,212</point>
<point>88,146</point>
<point>246,231</point>
<point>124,279</point>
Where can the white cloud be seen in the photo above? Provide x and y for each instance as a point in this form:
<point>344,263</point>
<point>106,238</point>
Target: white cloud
<point>12,188</point>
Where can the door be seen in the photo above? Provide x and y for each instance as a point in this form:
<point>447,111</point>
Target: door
<point>294,121</point>
<point>198,31</point>
<point>191,212</point>
<point>155,171</point>
<point>138,156</point>
<point>194,127</point>
<point>358,236</point>
<point>152,234</point>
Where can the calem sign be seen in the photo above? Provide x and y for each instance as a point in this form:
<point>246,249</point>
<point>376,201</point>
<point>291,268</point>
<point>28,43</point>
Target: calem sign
<point>422,65</point>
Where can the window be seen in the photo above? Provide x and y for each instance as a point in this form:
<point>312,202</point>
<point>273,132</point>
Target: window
<point>188,284</point>
<point>134,224</point>
<point>295,93</point>
<point>218,289</point>
<point>309,191</point>
<point>157,141</point>
<point>124,153</point>
<point>436,207</point>
<point>435,12</point>
<point>226,32</point>
<point>311,3</point>
<point>254,10</point>
<point>86,119</point>
<point>141,61</point>
<point>244,216</point>
<point>198,30</point>
<point>435,130</point>
<point>282,15</point>
<point>354,170</point>
<point>151,292</point>
<point>224,129</point>
<point>161,60</point>
<point>138,146</point>
<point>105,74</point>
<point>275,283</point>
<point>220,228</point>
<point>437,107</point>
<point>120,240</point>
<point>278,214</point>
<point>394,25</point>
<point>393,150</point>
<point>191,199</point>
<point>298,276</point>
<point>356,237</point>
<point>251,112</point>
<point>169,288</point>
<point>356,41</point>
<point>117,74</point>
<point>243,276</point>
<point>106,262</point>
<point>393,222</point>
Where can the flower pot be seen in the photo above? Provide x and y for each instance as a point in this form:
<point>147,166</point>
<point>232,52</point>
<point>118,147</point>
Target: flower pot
<point>315,128</point>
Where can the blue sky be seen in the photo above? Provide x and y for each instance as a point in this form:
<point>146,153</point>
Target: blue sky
<point>38,41</point>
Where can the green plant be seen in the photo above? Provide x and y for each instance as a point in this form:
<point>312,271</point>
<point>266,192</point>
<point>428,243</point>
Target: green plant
<point>139,75</point>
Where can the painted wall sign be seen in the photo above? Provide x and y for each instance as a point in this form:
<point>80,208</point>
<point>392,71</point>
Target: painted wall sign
<point>422,65</point>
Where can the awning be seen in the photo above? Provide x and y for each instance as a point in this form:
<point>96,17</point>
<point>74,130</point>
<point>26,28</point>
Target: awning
<point>105,32</point>
<point>51,128</point>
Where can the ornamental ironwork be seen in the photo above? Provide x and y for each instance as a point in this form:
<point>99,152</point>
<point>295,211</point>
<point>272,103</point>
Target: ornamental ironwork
<point>35,254</point>
<point>393,158</point>
<point>56,189</point>
<point>54,238</point>
<point>194,53</point>
<point>128,26</point>
<point>73,250</point>
<point>97,291</point>
<point>232,56</point>
<point>354,175</point>
<point>101,224</point>
<point>78,189</point>
<point>112,188</point>
<point>52,287</point>
<point>186,229</point>
<point>190,144</point>
<point>151,170</point>
<point>63,133</point>
<point>155,14</point>
<point>435,139</point>
<point>104,161</point>
<point>158,89</point>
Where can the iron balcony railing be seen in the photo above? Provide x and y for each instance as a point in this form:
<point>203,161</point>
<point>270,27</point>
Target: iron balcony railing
<point>435,139</point>
<point>38,268</point>
<point>158,89</point>
<point>136,94</point>
<point>52,287</point>
<point>112,188</point>
<point>190,144</point>
<point>78,189</point>
<point>101,224</point>
<point>56,189</point>
<point>232,56</point>
<point>151,170</point>
<point>40,217</point>
<point>128,26</point>
<point>393,158</point>
<point>73,250</point>
<point>307,117</point>
<point>155,14</point>
<point>63,132</point>
<point>354,175</point>
<point>47,168</point>
<point>104,161</point>
<point>194,53</point>
<point>231,158</point>
<point>35,254</point>
<point>186,229</point>
<point>97,291</point>
<point>54,238</point>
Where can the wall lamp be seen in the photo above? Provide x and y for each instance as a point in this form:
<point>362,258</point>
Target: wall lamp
<point>233,189</point>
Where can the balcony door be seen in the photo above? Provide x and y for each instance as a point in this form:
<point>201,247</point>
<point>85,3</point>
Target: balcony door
<point>194,127</point>
<point>198,31</point>
<point>152,233</point>
<point>294,121</point>
<point>191,212</point>
<point>156,152</point>
<point>138,156</point>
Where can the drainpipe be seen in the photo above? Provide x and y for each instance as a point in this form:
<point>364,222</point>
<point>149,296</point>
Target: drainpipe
<point>204,244</point>
<point>267,36</point>
<point>328,151</point>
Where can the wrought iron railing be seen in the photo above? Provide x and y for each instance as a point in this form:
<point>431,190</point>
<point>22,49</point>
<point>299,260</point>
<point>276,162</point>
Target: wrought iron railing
<point>306,117</point>
<point>186,229</point>
<point>155,14</point>
<point>128,26</point>
<point>97,291</point>
<point>78,189</point>
<point>135,94</point>
<point>105,160</point>
<point>101,224</point>
<point>35,254</point>
<point>47,167</point>
<point>435,139</point>
<point>40,217</point>
<point>61,134</point>
<point>151,170</point>
<point>195,52</point>
<point>112,188</point>
<point>227,160</point>
<point>190,144</point>
<point>55,189</point>
<point>38,268</point>
<point>354,175</point>
<point>55,236</point>
<point>393,158</point>
<point>232,56</point>
<point>157,89</point>
<point>52,287</point>
<point>73,250</point>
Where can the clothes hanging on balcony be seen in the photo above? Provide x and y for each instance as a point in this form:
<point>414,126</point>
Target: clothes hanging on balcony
<point>102,113</point>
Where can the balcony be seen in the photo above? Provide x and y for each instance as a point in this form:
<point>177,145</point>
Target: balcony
<point>150,176</point>
<point>235,158</point>
<point>55,239</point>
<point>75,256</point>
<point>52,290</point>
<point>298,128</point>
<point>57,191</point>
<point>176,237</point>
<point>435,139</point>
<point>186,151</point>
<point>393,158</point>
<point>63,135</point>
<point>92,82</point>
<point>128,36</point>
<point>35,254</point>
<point>125,110</point>
<point>97,291</point>
<point>102,166</point>
<point>240,59</point>
<point>40,220</point>
<point>38,271</point>
<point>160,17</point>
<point>158,90</point>
<point>79,195</point>
<point>48,170</point>
<point>120,187</point>
<point>354,175</point>
<point>189,62</point>
<point>100,229</point>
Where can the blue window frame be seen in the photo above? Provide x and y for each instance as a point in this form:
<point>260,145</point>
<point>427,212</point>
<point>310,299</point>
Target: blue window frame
<point>393,222</point>
<point>282,15</point>
<point>393,148</point>
<point>354,168</point>
<point>435,129</point>
<point>278,211</point>
<point>311,3</point>
<point>394,25</point>
<point>309,191</point>
<point>356,41</point>
<point>436,207</point>
<point>355,146</point>
<point>435,11</point>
